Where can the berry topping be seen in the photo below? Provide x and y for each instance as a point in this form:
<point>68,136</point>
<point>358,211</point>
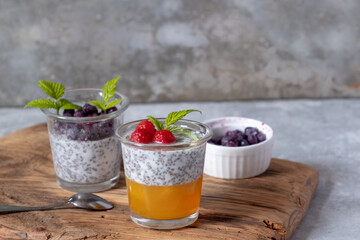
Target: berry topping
<point>92,115</point>
<point>216,141</point>
<point>229,141</point>
<point>148,126</point>
<point>153,130</point>
<point>56,91</point>
<point>239,135</point>
<point>261,137</point>
<point>234,138</point>
<point>244,143</point>
<point>89,109</point>
<point>252,139</point>
<point>110,110</point>
<point>68,112</point>
<point>72,133</point>
<point>251,130</point>
<point>141,136</point>
<point>164,136</point>
<point>79,113</point>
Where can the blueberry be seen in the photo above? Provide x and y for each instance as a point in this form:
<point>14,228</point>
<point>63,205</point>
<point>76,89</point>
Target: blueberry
<point>107,132</point>
<point>68,112</point>
<point>233,143</point>
<point>261,137</point>
<point>251,130</point>
<point>106,128</point>
<point>103,124</point>
<point>211,141</point>
<point>60,127</point>
<point>95,133</point>
<point>239,135</point>
<point>91,115</point>
<point>112,109</point>
<point>252,139</point>
<point>89,109</point>
<point>110,122</point>
<point>230,133</point>
<point>65,114</point>
<point>244,143</point>
<point>215,141</point>
<point>79,113</point>
<point>229,141</point>
<point>72,133</point>
<point>106,123</point>
<point>84,133</point>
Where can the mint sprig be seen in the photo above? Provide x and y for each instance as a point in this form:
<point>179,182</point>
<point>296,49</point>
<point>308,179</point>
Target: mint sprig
<point>158,125</point>
<point>108,92</point>
<point>53,90</point>
<point>171,119</point>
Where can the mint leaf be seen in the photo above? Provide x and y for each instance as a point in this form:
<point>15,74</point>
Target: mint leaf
<point>109,89</point>
<point>98,105</point>
<point>66,104</point>
<point>54,90</point>
<point>186,132</point>
<point>113,103</point>
<point>158,125</point>
<point>173,117</point>
<point>42,103</point>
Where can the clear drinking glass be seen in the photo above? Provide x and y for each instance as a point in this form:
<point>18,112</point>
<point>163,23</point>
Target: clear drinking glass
<point>85,151</point>
<point>164,180</point>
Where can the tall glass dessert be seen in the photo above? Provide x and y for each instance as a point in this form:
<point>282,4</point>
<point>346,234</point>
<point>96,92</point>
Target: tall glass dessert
<point>81,125</point>
<point>164,179</point>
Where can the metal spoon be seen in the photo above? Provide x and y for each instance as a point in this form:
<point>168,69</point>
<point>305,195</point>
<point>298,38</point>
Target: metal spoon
<point>81,200</point>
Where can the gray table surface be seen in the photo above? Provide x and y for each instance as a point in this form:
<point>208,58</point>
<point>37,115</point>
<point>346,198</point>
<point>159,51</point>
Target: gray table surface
<point>324,134</point>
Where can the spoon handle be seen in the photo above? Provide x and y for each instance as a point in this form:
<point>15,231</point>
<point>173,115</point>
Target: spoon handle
<point>11,209</point>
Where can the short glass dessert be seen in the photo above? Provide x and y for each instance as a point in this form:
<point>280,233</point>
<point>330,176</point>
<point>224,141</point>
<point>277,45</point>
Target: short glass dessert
<point>164,180</point>
<point>85,151</point>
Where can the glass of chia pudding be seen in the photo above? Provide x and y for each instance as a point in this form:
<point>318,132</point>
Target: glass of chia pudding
<point>85,151</point>
<point>164,180</point>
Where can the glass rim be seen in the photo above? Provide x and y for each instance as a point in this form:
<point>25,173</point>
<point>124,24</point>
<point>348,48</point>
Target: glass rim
<point>123,106</point>
<point>207,136</point>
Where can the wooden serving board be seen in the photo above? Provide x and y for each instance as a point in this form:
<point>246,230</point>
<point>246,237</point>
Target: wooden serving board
<point>269,206</point>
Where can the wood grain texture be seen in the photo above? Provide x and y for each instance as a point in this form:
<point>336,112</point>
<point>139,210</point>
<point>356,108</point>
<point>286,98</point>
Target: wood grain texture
<point>269,206</point>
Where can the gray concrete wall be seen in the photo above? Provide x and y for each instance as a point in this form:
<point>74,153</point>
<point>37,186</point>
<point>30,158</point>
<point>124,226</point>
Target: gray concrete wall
<point>182,50</point>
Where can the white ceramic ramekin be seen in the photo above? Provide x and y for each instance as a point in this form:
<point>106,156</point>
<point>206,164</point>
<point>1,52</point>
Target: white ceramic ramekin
<point>237,162</point>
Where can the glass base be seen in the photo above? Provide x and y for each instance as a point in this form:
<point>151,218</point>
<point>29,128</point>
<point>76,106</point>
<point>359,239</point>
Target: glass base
<point>164,224</point>
<point>88,187</point>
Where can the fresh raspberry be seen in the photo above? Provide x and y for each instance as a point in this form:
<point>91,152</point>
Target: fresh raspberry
<point>141,136</point>
<point>164,137</point>
<point>148,126</point>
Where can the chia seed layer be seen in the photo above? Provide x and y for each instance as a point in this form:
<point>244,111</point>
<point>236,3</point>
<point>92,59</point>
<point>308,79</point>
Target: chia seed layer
<point>163,168</point>
<point>85,162</point>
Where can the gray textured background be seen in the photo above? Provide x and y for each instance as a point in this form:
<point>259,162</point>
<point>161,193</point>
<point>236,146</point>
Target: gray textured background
<point>182,50</point>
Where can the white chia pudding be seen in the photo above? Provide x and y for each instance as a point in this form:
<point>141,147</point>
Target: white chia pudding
<point>163,168</point>
<point>87,161</point>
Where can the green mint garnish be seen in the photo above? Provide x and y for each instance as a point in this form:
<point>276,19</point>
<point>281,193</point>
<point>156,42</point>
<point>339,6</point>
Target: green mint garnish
<point>55,91</point>
<point>108,92</point>
<point>171,119</point>
<point>158,125</point>
<point>52,89</point>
